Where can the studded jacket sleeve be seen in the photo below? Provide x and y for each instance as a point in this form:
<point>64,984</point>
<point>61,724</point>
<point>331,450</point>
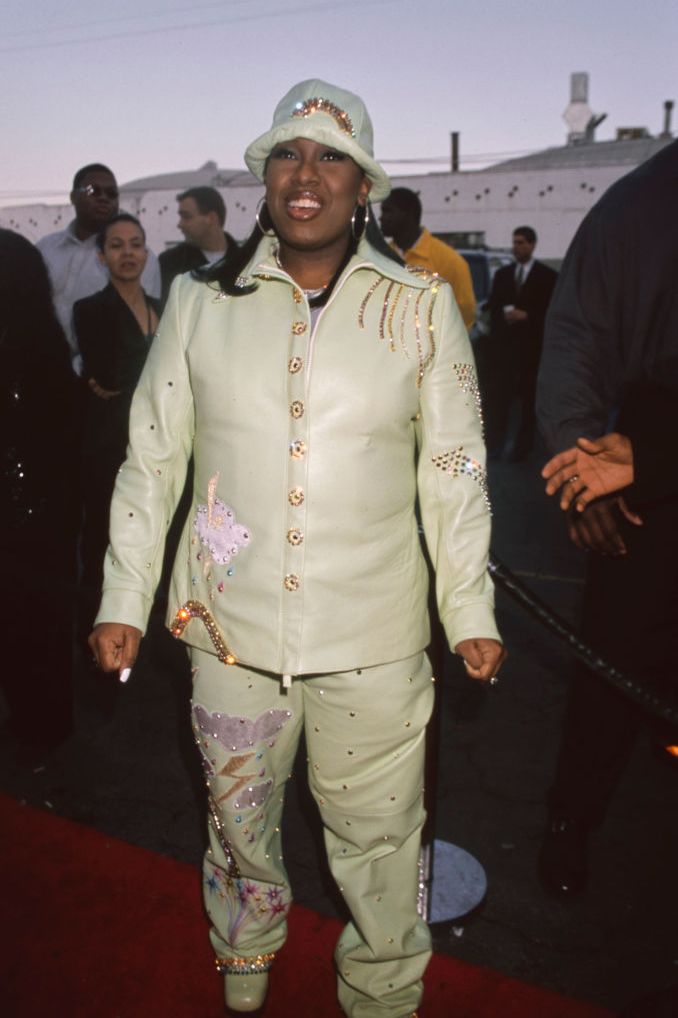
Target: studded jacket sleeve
<point>452,481</point>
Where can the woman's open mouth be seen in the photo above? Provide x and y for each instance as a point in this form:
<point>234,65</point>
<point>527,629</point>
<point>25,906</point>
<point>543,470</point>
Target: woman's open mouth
<point>303,206</point>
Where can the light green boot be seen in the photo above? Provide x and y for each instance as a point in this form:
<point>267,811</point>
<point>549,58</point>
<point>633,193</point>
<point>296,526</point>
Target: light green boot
<point>245,993</point>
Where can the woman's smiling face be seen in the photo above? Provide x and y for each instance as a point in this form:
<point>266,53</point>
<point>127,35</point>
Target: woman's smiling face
<point>311,194</point>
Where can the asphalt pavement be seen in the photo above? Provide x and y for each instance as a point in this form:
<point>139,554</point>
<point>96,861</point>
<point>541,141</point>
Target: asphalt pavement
<point>131,770</point>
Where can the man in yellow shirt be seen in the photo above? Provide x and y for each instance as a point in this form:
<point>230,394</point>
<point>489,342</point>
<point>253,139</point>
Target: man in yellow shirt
<point>401,220</point>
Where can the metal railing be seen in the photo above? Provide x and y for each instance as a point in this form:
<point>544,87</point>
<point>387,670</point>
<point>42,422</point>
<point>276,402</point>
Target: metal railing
<point>630,687</point>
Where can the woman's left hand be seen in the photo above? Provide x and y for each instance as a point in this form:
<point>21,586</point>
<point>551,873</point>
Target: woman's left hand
<point>483,658</point>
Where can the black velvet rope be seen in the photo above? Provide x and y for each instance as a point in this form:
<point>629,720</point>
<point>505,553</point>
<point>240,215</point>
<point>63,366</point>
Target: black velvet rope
<point>630,687</point>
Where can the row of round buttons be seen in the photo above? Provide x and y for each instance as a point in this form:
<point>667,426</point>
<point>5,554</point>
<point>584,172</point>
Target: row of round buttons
<point>298,449</point>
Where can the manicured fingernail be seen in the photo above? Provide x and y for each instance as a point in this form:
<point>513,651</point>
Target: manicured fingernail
<point>125,674</point>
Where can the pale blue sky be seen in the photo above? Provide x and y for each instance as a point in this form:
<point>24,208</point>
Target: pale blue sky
<point>150,86</point>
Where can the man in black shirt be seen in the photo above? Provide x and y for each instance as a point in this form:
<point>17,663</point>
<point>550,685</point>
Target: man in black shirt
<point>509,358</point>
<point>202,215</point>
<point>610,362</point>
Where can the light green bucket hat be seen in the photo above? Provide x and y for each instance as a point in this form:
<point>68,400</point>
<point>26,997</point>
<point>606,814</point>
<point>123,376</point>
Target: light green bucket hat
<point>329,115</point>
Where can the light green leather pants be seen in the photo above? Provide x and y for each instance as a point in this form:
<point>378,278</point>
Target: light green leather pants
<point>365,737</point>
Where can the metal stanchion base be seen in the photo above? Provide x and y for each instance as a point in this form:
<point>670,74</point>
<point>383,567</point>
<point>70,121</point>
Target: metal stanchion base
<point>459,883</point>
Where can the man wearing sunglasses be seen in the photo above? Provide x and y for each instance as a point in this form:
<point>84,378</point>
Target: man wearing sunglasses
<point>71,254</point>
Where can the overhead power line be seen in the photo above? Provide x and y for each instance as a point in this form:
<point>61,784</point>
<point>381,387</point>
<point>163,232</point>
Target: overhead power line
<point>274,12</point>
<point>101,22</point>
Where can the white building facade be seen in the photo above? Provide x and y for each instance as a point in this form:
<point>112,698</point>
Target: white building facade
<point>551,191</point>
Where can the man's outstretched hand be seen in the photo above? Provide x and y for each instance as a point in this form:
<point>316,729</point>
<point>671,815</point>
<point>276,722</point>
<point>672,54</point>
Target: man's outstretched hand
<point>590,470</point>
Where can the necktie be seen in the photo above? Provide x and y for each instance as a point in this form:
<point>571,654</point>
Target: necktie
<point>520,276</point>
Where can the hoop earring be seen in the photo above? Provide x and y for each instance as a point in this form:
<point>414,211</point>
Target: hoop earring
<point>260,206</point>
<point>366,218</point>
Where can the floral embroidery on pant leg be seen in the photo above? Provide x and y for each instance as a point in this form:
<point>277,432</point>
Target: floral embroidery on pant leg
<point>245,901</point>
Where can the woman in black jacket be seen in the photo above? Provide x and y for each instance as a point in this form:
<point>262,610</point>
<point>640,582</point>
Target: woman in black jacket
<point>114,328</point>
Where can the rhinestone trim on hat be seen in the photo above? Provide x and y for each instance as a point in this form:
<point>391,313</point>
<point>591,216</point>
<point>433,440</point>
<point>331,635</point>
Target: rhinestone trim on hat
<point>319,105</point>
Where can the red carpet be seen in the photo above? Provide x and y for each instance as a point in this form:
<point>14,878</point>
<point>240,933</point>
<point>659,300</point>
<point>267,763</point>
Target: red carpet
<point>96,928</point>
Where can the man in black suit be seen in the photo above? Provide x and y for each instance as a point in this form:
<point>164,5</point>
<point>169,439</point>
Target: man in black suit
<point>508,360</point>
<point>202,215</point>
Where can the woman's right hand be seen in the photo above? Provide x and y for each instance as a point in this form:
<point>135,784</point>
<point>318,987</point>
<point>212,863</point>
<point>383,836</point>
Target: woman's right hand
<point>482,657</point>
<point>115,645</point>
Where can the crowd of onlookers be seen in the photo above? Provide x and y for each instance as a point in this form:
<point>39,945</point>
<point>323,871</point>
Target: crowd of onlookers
<point>78,315</point>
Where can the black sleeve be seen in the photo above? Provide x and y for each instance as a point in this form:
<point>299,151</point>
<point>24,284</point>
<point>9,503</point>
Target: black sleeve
<point>91,334</point>
<point>544,292</point>
<point>167,274</point>
<point>655,476</point>
<point>577,375</point>
<point>497,300</point>
<point>649,418</point>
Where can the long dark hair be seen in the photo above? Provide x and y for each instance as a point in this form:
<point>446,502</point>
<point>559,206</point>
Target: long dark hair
<point>25,290</point>
<point>226,272</point>
<point>120,217</point>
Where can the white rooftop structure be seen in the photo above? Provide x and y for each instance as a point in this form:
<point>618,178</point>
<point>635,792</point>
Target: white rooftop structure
<point>207,175</point>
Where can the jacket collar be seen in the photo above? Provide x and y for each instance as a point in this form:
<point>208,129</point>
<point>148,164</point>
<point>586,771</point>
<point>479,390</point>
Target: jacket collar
<point>263,265</point>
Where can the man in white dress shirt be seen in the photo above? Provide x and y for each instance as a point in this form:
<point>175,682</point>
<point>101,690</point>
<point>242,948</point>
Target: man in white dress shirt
<point>71,254</point>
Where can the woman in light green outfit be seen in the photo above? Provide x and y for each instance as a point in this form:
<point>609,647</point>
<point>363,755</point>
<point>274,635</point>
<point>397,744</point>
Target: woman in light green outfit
<point>321,388</point>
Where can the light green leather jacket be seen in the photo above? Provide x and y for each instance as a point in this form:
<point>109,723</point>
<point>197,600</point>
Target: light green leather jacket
<point>301,552</point>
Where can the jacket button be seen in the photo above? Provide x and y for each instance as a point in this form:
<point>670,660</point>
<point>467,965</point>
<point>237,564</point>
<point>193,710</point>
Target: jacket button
<point>295,536</point>
<point>297,409</point>
<point>298,295</point>
<point>296,496</point>
<point>295,364</point>
<point>299,328</point>
<point>297,449</point>
<point>292,581</point>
